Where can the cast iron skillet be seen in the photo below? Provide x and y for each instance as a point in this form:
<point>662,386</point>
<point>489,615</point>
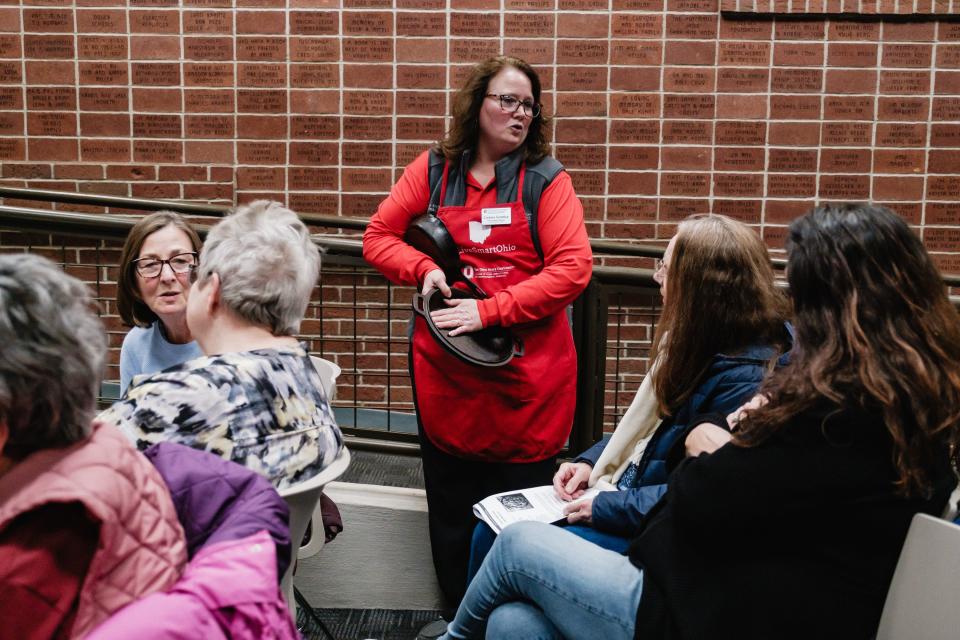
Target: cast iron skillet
<point>427,234</point>
<point>490,347</point>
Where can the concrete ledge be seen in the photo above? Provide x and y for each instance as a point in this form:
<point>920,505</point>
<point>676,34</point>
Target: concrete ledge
<point>382,558</point>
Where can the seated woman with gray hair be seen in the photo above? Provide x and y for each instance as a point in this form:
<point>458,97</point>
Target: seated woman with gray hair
<point>87,525</point>
<point>255,397</point>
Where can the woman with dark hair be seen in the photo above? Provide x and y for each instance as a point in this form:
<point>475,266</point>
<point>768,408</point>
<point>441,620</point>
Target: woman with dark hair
<point>155,265</point>
<point>722,329</point>
<point>485,431</point>
<point>791,526</point>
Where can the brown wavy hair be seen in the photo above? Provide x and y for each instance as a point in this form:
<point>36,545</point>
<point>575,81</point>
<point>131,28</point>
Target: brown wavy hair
<point>721,298</point>
<point>131,308</point>
<point>876,334</point>
<point>464,131</point>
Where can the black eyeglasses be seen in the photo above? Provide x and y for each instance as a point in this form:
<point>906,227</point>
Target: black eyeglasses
<point>509,104</point>
<point>152,267</point>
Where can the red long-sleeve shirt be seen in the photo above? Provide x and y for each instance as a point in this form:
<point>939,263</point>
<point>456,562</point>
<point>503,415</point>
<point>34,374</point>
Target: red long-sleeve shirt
<point>568,260</point>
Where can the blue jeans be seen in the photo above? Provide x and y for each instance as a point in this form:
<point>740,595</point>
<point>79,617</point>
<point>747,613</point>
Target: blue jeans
<point>540,581</point>
<point>484,537</point>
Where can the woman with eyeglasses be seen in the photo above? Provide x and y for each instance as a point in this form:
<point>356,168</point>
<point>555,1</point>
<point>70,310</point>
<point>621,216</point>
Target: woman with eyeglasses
<point>155,264</point>
<point>484,431</point>
<point>254,396</point>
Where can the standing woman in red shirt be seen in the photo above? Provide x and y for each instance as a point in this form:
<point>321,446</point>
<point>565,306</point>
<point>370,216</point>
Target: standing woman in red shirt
<point>487,430</point>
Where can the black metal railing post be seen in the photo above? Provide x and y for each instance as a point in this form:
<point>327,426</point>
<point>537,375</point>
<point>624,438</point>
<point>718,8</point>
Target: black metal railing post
<point>590,335</point>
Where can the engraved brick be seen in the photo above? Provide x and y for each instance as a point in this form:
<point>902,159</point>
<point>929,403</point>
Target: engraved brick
<point>208,74</point>
<point>209,100</point>
<point>368,23</point>
<point>910,109</point>
<point>858,31</point>
<point>943,188</point>
<point>260,152</point>
<point>740,185</point>
<point>733,53</point>
<point>904,161</point>
<point>741,133</point>
<point>846,134</point>
<point>683,80</point>
<point>785,30</point>
<point>10,72</point>
<point>632,208</point>
<point>367,154</point>
<point>367,50</point>
<point>635,131</point>
<point>676,209</point>
<point>843,54</point>
<point>314,49</point>
<point>209,126</point>
<point>624,105</point>
<point>262,101</point>
<point>155,73</point>
<point>99,73</point>
<point>367,128</point>
<point>797,80</point>
<point>684,184</point>
<point>694,27</point>
<point>797,54</point>
<point>687,132</point>
<point>688,106</point>
<point>738,159</point>
<point>51,124</point>
<point>469,51</point>
<point>208,48</point>
<point>154,21</point>
<point>635,52</point>
<point>747,211</point>
<point>46,47</point>
<point>48,20</point>
<point>368,103</point>
<point>51,98</point>
<point>583,78</point>
<point>632,157</point>
<point>474,24</point>
<point>904,135</point>
<point>948,56</point>
<point>313,178</point>
<point>11,98</point>
<point>848,108</point>
<point>743,80</point>
<point>907,55</point>
<point>359,205</point>
<point>795,107</point>
<point>791,185</point>
<point>582,52</point>
<point>314,153</point>
<point>10,46</point>
<point>101,20</point>
<point>157,151</point>
<point>419,128</point>
<point>316,23</point>
<point>157,125</point>
<point>260,74</point>
<point>514,24</point>
<point>904,82</point>
<point>420,103</point>
<point>533,51</point>
<point>365,180</point>
<point>11,124</point>
<point>260,178</point>
<point>214,21</point>
<point>745,30</point>
<point>626,25</point>
<point>96,150</point>
<point>102,47</point>
<point>844,187</point>
<point>261,48</point>
<point>942,212</point>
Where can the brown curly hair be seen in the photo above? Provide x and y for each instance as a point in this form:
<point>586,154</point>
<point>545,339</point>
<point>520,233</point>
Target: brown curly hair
<point>876,334</point>
<point>464,131</point>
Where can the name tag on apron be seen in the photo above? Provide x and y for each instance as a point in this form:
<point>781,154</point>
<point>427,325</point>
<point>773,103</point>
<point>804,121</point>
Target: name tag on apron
<point>492,216</point>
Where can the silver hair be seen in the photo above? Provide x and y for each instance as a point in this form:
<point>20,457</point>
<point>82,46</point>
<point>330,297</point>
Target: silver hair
<point>267,264</point>
<point>52,349</point>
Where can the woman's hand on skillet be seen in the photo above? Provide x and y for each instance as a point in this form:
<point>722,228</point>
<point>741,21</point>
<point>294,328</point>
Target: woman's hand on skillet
<point>435,280</point>
<point>460,316</point>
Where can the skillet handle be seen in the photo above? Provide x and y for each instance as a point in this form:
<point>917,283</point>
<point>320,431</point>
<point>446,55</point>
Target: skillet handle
<point>419,301</point>
<point>517,347</point>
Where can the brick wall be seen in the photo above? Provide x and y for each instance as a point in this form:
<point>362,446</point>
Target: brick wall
<point>663,107</point>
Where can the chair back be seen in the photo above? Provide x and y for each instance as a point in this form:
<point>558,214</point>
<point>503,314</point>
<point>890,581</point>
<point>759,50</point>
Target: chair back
<point>329,372</point>
<point>302,499</point>
<point>922,601</point>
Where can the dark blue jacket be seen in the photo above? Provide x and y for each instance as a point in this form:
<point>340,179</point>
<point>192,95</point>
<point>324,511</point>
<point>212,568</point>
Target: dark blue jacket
<point>729,382</point>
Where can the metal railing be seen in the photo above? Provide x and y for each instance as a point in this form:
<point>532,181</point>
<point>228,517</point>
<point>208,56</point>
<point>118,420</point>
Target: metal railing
<point>356,317</point>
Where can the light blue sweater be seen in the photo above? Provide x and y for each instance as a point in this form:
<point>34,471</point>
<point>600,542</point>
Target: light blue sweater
<point>147,351</point>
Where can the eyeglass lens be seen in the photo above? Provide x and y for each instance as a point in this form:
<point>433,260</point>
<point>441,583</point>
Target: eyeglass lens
<point>180,263</point>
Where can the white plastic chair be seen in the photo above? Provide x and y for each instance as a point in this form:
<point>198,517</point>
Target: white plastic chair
<point>302,499</point>
<point>922,601</point>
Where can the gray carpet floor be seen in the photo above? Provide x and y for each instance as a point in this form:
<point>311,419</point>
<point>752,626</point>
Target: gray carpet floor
<point>391,470</point>
<point>361,624</point>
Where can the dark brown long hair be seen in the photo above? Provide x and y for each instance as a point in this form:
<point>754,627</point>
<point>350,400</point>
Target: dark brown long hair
<point>464,131</point>
<point>130,306</point>
<point>721,297</point>
<point>876,333</point>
